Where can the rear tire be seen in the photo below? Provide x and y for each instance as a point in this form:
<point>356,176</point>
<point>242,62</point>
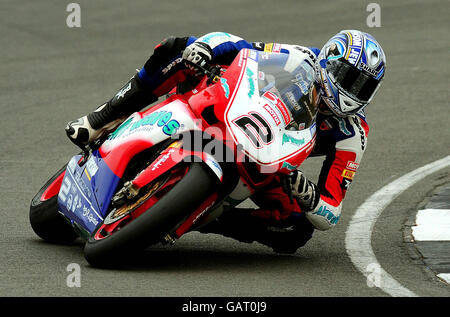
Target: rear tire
<point>152,225</point>
<point>45,219</point>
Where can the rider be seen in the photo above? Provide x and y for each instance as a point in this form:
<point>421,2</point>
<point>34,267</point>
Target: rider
<point>349,70</point>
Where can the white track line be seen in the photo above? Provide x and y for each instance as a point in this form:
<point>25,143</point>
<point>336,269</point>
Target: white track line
<point>359,232</point>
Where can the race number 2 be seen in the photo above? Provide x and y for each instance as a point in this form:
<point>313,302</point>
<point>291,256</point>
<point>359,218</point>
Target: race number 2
<point>255,128</point>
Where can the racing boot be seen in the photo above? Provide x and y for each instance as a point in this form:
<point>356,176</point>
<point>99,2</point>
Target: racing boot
<point>131,98</point>
<point>245,225</point>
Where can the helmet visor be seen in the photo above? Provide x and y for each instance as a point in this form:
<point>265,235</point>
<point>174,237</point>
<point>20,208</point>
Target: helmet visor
<point>351,80</point>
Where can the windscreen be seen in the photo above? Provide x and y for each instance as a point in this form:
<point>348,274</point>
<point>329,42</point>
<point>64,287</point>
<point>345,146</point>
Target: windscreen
<point>293,82</point>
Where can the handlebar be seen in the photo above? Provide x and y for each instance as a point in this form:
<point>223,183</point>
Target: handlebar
<point>213,72</point>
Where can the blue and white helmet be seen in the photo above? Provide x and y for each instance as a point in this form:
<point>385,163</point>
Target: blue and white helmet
<point>351,67</point>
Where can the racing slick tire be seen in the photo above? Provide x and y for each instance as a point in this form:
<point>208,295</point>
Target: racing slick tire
<point>151,226</point>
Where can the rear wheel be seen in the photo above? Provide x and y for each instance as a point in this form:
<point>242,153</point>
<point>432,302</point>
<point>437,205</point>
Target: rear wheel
<point>160,208</point>
<point>45,219</point>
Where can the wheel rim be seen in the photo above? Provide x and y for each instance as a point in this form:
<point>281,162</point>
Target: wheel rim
<point>119,217</point>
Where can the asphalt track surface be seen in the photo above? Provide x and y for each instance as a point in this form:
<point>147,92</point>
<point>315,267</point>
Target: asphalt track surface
<point>51,74</point>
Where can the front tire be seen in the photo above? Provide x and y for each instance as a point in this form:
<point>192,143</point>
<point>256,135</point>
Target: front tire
<point>45,219</point>
<point>152,225</point>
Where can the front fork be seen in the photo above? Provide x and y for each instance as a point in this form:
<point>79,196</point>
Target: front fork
<point>173,155</point>
<point>196,217</point>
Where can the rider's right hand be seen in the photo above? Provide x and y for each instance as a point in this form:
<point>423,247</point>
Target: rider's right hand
<point>197,54</point>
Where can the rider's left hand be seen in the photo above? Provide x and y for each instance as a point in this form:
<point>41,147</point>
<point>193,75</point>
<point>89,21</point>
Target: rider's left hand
<point>305,191</point>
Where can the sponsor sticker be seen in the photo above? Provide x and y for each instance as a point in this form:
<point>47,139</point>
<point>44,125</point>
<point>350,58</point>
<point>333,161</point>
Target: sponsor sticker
<point>259,46</point>
<point>253,55</point>
<point>328,214</point>
<point>348,174</point>
<point>225,87</point>
<point>280,106</point>
<point>163,158</point>
<point>288,166</point>
<point>89,216</point>
<point>284,112</point>
<point>161,119</point>
<point>355,49</point>
<point>291,139</point>
<point>352,166</point>
<point>123,91</point>
<point>366,68</point>
<point>272,113</point>
<point>268,47</point>
<point>171,65</point>
<point>345,183</point>
<point>91,167</point>
<point>276,48</point>
<point>251,83</point>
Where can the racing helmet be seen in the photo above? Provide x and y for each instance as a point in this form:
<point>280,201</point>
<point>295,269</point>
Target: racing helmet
<point>350,70</point>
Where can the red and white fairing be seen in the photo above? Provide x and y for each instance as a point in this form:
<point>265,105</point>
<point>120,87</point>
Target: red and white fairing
<point>270,142</point>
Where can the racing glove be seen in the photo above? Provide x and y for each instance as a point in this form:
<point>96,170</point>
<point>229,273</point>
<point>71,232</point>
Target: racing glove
<point>305,191</point>
<point>198,53</point>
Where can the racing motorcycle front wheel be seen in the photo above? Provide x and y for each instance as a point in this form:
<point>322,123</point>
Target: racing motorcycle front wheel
<point>163,206</point>
<point>45,219</point>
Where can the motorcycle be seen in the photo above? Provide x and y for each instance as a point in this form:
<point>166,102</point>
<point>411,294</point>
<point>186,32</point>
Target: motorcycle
<point>180,164</point>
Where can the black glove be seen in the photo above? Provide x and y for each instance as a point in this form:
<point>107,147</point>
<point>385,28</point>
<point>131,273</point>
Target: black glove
<point>198,53</point>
